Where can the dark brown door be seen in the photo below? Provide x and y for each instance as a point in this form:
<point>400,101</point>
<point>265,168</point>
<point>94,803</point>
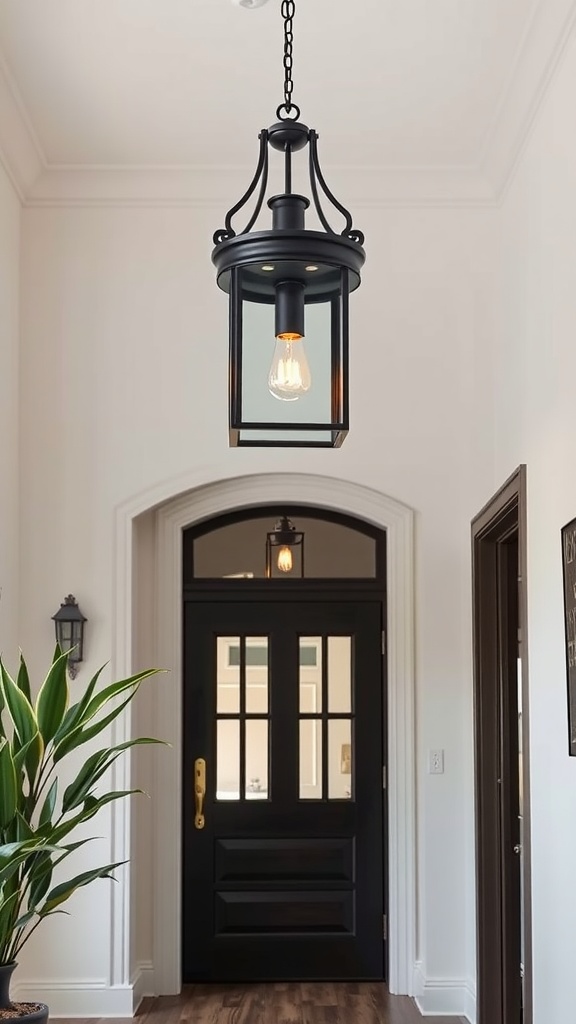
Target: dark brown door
<point>283,702</point>
<point>501,728</point>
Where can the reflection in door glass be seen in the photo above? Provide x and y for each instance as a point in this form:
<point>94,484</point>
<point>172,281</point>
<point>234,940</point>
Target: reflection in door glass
<point>228,759</point>
<point>310,669</point>
<point>339,673</point>
<point>339,759</point>
<point>256,759</point>
<point>227,675</point>
<point>256,676</point>
<point>310,759</point>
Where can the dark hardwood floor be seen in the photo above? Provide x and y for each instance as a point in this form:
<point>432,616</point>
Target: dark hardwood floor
<point>283,1003</point>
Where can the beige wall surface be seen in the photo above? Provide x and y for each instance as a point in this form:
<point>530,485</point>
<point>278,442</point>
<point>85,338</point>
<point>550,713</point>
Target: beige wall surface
<point>123,386</point>
<point>462,361</point>
<point>9,401</point>
<point>534,371</point>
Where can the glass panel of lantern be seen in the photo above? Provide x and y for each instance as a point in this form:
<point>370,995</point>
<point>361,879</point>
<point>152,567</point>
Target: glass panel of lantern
<point>288,357</point>
<point>285,551</point>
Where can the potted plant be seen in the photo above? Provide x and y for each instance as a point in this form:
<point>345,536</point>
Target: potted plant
<point>38,814</point>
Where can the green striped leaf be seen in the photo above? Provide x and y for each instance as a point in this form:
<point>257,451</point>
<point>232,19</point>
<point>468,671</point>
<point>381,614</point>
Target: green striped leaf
<point>82,734</point>
<point>8,785</point>
<point>96,766</point>
<point>8,908</point>
<point>27,848</point>
<point>29,757</point>
<point>52,699</point>
<point>73,716</point>
<point>115,689</point>
<point>49,805</point>
<point>65,890</point>
<point>23,680</point>
<point>23,830</point>
<point>40,878</point>
<point>19,708</point>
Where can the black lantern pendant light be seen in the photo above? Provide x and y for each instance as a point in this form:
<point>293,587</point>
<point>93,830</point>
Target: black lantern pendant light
<point>285,551</point>
<point>287,284</point>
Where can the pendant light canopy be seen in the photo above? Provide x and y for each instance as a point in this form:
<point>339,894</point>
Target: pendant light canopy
<point>288,288</point>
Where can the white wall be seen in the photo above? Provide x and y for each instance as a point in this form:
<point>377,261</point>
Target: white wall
<point>9,308</point>
<point>534,374</point>
<point>124,349</point>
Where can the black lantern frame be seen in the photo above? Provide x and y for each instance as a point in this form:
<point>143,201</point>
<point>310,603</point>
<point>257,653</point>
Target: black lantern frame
<point>292,269</point>
<point>285,535</point>
<point>69,624</point>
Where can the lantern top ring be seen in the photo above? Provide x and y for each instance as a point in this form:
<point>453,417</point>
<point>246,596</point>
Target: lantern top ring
<point>288,112</point>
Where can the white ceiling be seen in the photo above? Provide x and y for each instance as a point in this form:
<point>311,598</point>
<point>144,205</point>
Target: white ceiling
<point>395,84</point>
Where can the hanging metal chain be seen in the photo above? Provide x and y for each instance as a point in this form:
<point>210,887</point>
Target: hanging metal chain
<point>288,107</point>
<point>288,9</point>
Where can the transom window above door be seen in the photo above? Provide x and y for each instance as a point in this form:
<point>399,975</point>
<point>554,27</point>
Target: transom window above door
<point>283,543</point>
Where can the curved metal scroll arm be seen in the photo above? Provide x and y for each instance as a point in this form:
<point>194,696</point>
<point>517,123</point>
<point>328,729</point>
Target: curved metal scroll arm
<point>316,177</point>
<point>261,173</point>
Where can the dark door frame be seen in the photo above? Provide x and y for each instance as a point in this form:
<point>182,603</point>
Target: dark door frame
<point>500,524</point>
<point>205,590</point>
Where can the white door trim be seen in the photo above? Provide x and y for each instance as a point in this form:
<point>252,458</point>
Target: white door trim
<point>171,518</point>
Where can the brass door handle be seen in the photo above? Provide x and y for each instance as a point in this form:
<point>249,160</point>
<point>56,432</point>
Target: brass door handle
<point>199,791</point>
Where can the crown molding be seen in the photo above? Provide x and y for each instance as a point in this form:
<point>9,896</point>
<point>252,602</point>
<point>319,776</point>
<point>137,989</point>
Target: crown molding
<point>20,152</point>
<point>41,184</point>
<point>364,187</point>
<point>537,60</point>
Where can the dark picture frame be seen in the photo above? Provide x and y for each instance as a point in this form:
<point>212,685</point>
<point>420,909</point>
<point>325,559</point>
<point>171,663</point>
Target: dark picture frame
<point>568,533</point>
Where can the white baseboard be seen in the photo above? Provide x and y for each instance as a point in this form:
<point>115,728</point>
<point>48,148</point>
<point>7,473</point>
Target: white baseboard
<point>470,1012</point>
<point>449,997</point>
<point>94,998</point>
<point>142,983</point>
<point>91,997</point>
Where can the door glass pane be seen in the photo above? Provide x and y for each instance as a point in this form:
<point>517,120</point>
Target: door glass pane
<point>339,673</point>
<point>256,676</point>
<point>310,759</point>
<point>340,763</point>
<point>228,759</point>
<point>310,672</point>
<point>256,759</point>
<point>227,675</point>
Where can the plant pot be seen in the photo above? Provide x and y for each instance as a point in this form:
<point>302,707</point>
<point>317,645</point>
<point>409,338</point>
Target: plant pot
<point>18,1013</point>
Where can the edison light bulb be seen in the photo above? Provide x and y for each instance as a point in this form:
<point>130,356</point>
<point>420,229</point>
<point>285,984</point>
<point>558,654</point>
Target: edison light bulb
<point>285,559</point>
<point>289,375</point>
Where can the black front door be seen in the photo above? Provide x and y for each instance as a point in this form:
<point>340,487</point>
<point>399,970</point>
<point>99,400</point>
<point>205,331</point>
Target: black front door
<point>283,858</point>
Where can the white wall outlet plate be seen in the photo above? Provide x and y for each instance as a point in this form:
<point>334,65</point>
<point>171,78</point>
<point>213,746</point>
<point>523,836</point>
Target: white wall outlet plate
<point>435,762</point>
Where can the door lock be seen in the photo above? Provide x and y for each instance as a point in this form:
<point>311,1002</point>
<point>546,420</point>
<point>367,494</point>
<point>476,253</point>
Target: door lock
<point>518,848</point>
<point>199,791</point>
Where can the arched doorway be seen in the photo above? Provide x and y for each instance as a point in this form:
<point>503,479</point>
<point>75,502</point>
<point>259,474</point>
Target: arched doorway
<point>159,551</point>
<point>284,726</point>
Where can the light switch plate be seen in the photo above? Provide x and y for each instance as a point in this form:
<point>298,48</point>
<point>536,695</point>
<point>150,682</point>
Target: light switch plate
<point>435,762</point>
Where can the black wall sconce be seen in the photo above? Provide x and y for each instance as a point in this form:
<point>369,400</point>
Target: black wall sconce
<point>69,622</point>
<point>285,551</point>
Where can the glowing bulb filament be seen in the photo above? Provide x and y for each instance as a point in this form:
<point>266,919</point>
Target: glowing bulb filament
<point>289,375</point>
<point>285,559</point>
